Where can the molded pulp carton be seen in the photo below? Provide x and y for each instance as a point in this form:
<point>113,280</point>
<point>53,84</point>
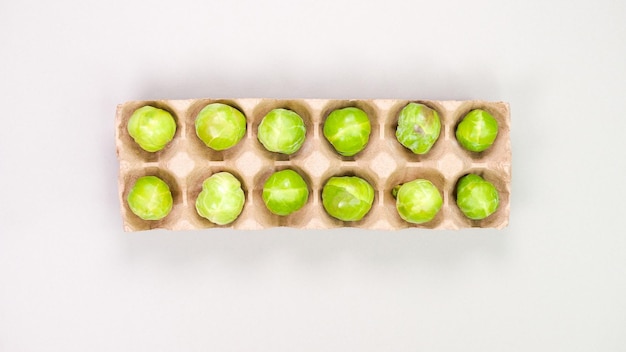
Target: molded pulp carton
<point>185,162</point>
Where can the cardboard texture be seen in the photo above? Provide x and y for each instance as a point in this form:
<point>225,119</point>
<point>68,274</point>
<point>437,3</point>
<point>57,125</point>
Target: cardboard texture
<point>185,162</point>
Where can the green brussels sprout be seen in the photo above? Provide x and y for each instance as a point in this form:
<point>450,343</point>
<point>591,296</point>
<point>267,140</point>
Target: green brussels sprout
<point>348,130</point>
<point>347,198</point>
<point>151,128</point>
<point>417,201</point>
<point>477,131</point>
<point>285,192</point>
<point>418,128</point>
<point>150,198</point>
<point>220,126</point>
<point>282,131</point>
<point>476,197</point>
<point>221,199</point>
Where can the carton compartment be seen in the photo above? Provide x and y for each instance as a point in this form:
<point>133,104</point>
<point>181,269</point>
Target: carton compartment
<point>372,113</point>
<point>131,147</point>
<point>268,219</point>
<point>375,212</point>
<point>136,223</point>
<point>300,108</point>
<point>391,124</point>
<point>194,187</point>
<point>499,112</point>
<point>196,146</point>
<point>405,175</point>
<point>499,218</point>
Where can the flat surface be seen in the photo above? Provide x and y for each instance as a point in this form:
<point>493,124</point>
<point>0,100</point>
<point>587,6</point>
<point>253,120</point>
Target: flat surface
<point>71,280</point>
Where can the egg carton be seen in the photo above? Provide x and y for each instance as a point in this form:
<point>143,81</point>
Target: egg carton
<point>185,162</point>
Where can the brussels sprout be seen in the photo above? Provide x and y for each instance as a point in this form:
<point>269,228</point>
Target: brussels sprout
<point>151,128</point>
<point>150,198</point>
<point>418,128</point>
<point>476,197</point>
<point>220,126</point>
<point>347,198</point>
<point>221,200</point>
<point>282,131</point>
<point>285,192</point>
<point>417,201</point>
<point>477,131</point>
<point>348,130</point>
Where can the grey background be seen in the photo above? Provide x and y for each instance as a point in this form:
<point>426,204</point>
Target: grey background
<point>71,280</point>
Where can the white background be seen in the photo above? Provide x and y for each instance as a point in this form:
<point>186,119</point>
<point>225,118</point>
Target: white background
<point>71,280</point>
